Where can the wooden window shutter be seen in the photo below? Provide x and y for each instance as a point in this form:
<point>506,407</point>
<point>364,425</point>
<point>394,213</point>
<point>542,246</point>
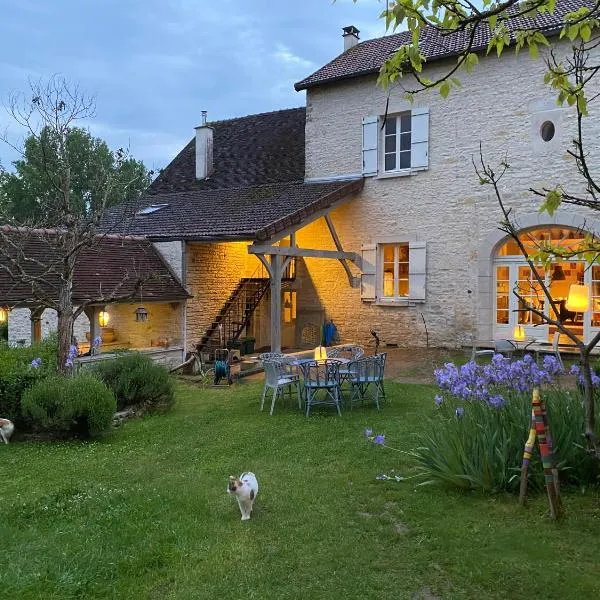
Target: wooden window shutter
<point>370,134</point>
<point>419,155</point>
<point>368,276</point>
<point>417,269</point>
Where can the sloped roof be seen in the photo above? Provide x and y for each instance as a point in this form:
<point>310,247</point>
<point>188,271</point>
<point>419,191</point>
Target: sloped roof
<point>368,56</point>
<point>252,213</point>
<point>247,151</point>
<point>256,190</point>
<point>127,268</point>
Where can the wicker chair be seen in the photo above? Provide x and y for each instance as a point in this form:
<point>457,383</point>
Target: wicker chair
<point>322,378</point>
<point>279,377</point>
<point>364,374</point>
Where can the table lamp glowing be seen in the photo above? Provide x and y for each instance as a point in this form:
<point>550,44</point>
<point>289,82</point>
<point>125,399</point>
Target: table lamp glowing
<point>519,333</point>
<point>320,353</point>
<point>578,300</point>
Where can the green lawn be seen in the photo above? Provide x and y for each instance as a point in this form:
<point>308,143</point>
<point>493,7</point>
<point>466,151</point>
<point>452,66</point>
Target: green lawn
<point>144,514</point>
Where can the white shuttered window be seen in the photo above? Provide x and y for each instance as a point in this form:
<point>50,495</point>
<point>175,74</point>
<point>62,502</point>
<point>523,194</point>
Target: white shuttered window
<point>396,143</point>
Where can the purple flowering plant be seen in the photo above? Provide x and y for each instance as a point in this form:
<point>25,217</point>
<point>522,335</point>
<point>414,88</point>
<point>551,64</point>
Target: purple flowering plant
<point>494,383</point>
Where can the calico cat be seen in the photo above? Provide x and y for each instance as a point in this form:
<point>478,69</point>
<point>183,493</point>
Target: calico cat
<point>6,429</point>
<point>245,489</point>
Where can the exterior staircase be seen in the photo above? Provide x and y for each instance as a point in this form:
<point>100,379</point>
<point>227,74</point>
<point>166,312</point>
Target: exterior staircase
<point>235,314</point>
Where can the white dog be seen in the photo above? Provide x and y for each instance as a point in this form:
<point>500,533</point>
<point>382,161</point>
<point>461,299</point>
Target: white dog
<point>245,489</point>
<point>6,429</point>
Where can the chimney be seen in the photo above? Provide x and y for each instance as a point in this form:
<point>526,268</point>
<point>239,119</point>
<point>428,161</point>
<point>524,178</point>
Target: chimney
<point>204,149</point>
<point>350,37</point>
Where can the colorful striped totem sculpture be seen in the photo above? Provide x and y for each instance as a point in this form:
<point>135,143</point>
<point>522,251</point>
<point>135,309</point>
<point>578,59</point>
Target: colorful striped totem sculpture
<point>540,430</point>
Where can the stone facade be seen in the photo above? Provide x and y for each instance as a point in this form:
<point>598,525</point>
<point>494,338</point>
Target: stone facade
<point>172,253</point>
<point>501,104</point>
<point>20,332</point>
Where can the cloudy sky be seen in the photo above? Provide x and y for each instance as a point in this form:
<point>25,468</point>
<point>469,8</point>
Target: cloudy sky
<point>153,65</point>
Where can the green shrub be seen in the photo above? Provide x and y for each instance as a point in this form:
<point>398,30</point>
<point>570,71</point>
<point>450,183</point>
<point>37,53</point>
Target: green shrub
<point>17,374</point>
<point>483,448</point>
<point>81,405</point>
<point>136,379</point>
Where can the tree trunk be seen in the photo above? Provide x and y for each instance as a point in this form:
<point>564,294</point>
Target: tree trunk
<point>65,327</point>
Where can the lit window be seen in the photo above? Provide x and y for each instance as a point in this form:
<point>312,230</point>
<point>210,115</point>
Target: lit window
<point>394,277</point>
<point>397,142</point>
<point>150,209</point>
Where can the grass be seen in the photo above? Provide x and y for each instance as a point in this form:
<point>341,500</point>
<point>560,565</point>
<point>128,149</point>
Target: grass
<point>144,513</point>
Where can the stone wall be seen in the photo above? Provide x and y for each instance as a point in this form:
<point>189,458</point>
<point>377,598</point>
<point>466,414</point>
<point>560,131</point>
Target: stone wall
<point>172,253</point>
<point>164,321</point>
<point>501,104</point>
<point>19,326</point>
<point>213,272</point>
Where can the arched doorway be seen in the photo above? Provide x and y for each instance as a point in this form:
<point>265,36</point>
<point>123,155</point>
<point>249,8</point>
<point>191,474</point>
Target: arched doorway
<point>511,272</point>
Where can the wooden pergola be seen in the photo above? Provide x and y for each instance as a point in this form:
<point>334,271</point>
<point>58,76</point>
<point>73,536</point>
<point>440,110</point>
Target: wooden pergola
<point>276,258</point>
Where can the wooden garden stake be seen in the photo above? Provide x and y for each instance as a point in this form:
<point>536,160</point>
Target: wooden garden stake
<point>540,430</point>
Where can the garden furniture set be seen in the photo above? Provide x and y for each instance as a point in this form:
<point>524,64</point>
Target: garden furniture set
<point>345,377</point>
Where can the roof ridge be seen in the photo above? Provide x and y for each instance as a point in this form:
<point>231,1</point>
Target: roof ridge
<point>261,114</point>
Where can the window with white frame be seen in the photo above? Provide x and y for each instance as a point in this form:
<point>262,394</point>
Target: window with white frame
<point>397,142</point>
<point>394,271</point>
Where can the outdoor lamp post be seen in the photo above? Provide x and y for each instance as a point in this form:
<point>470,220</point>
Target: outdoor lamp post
<point>578,300</point>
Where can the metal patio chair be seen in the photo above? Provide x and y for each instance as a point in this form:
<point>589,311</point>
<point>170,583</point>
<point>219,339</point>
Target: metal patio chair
<point>367,374</point>
<point>279,377</point>
<point>349,352</point>
<point>322,379</point>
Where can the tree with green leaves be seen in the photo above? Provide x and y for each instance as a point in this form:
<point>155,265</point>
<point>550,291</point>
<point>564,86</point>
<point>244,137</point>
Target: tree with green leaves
<point>91,160</point>
<point>64,183</point>
<point>566,36</point>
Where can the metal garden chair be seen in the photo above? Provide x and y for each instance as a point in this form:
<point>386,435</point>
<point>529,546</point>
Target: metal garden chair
<point>349,352</point>
<point>367,373</point>
<point>322,379</point>
<point>279,377</point>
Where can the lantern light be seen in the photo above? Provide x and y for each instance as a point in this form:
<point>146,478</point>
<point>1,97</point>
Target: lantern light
<point>320,353</point>
<point>103,318</point>
<point>578,300</point>
<point>141,314</point>
<point>519,333</point>
<point>3,314</point>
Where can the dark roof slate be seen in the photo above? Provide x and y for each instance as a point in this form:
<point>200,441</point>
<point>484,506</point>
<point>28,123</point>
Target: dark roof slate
<point>247,151</point>
<point>368,56</point>
<point>125,267</point>
<point>252,213</point>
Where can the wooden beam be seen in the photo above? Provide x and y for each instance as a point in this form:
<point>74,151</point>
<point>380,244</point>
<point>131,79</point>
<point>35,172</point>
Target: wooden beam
<point>305,252</point>
<point>275,281</point>
<point>338,245</point>
<point>266,264</point>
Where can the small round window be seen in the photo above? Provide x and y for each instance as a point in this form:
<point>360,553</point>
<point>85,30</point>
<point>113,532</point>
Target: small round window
<point>547,130</point>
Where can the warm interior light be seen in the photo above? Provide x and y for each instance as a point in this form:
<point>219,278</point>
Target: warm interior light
<point>320,353</point>
<point>3,315</point>
<point>579,298</point>
<point>294,299</point>
<point>103,318</point>
<point>519,333</point>
<point>287,309</point>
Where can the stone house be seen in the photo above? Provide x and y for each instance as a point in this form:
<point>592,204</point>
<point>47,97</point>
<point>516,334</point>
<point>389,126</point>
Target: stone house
<point>363,209</point>
<point>129,295</point>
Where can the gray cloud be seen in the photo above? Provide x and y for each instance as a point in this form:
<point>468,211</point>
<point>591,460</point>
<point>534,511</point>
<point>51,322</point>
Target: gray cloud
<point>153,65</point>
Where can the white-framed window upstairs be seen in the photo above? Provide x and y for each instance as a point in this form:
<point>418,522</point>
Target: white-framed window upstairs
<point>397,142</point>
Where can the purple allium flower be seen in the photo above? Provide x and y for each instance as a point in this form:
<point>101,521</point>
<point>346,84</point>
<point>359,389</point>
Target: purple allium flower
<point>36,362</point>
<point>379,440</point>
<point>438,400</point>
<point>97,341</point>
<point>368,432</point>
<point>460,411</point>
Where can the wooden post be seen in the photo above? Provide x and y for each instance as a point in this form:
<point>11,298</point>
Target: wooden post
<point>91,312</point>
<point>275,281</point>
<point>36,324</point>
